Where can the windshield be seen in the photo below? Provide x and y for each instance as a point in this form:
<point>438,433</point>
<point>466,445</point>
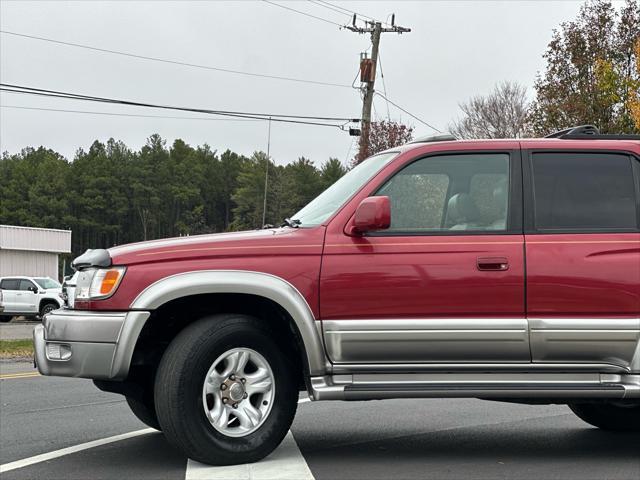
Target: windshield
<point>47,283</point>
<point>326,204</point>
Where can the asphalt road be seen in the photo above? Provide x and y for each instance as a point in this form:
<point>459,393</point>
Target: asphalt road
<point>404,439</point>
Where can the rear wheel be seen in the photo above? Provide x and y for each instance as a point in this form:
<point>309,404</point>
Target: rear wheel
<point>5,318</point>
<point>144,411</point>
<point>609,416</point>
<point>225,391</point>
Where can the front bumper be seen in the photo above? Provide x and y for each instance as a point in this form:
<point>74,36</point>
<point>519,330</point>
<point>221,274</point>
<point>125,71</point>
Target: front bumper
<point>96,345</point>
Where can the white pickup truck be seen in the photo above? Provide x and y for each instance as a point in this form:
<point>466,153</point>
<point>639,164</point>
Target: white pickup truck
<point>28,296</point>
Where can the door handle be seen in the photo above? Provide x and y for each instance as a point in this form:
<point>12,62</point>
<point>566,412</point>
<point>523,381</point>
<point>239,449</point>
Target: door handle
<point>493,264</point>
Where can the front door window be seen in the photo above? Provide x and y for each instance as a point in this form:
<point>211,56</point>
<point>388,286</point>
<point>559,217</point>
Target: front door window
<point>450,194</point>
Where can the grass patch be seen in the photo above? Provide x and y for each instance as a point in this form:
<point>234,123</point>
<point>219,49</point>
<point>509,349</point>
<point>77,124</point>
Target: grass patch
<point>16,348</point>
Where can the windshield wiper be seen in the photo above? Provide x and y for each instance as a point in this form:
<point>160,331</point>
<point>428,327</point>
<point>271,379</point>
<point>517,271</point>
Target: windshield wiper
<point>291,222</point>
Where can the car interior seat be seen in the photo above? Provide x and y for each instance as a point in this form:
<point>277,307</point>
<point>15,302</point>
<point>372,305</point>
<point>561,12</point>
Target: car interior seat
<point>462,212</point>
<point>500,204</point>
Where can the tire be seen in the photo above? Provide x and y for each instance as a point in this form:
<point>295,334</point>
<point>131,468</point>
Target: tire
<point>5,318</point>
<point>47,307</point>
<point>607,416</point>
<point>144,411</point>
<point>181,398</point>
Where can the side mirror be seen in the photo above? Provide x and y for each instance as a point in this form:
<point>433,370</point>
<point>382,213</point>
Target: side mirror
<point>33,289</point>
<point>373,213</point>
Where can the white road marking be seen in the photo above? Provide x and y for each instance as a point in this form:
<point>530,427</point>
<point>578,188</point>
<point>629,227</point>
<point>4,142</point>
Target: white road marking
<point>7,467</point>
<point>285,463</point>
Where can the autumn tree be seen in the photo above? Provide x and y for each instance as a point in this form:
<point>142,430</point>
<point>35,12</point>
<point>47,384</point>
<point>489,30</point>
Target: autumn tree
<point>592,73</point>
<point>634,102</point>
<point>501,114</point>
<point>383,135</point>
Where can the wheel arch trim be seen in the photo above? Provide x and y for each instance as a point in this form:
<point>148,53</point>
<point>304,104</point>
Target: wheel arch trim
<point>260,284</point>
<point>46,300</point>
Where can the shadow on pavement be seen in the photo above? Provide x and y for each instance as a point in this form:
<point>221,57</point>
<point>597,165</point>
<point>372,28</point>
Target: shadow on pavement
<point>488,451</point>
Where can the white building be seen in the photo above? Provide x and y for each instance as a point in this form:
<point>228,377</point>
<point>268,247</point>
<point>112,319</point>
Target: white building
<point>32,251</point>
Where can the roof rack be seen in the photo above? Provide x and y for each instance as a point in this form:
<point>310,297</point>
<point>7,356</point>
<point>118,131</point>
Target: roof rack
<point>589,132</point>
<point>443,137</point>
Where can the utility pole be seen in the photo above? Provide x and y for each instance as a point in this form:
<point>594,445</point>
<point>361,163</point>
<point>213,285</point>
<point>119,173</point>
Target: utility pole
<point>368,73</point>
<point>266,177</point>
<point>369,83</point>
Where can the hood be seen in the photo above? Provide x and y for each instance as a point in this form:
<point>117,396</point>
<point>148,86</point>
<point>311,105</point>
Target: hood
<point>254,242</point>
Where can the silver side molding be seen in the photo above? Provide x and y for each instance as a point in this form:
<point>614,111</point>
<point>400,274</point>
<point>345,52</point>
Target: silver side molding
<point>427,340</point>
<point>243,282</point>
<point>424,341</point>
<point>596,340</point>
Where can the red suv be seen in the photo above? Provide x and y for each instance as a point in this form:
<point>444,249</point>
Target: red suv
<point>498,269</point>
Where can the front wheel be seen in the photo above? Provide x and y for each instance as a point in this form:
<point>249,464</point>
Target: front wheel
<point>609,416</point>
<point>226,392</point>
<point>47,307</point>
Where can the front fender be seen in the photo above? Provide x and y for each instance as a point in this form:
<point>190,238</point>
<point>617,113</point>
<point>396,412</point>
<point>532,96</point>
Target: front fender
<point>243,282</point>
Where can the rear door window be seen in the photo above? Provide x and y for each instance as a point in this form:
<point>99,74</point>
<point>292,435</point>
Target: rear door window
<point>587,192</point>
<point>9,284</point>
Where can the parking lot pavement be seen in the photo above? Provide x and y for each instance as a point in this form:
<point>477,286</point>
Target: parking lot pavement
<point>21,366</point>
<point>401,439</point>
<point>17,330</point>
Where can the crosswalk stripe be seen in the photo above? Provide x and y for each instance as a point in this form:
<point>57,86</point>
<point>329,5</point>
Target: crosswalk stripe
<point>285,463</point>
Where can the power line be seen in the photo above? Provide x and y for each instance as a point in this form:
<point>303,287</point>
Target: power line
<point>77,96</point>
<point>167,107</point>
<point>129,114</point>
<point>346,158</point>
<point>384,85</point>
<point>71,96</point>
<point>329,7</point>
<point>409,113</point>
<point>303,13</point>
<point>352,12</point>
<point>174,62</point>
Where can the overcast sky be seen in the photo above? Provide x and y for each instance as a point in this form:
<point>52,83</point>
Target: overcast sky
<point>455,50</point>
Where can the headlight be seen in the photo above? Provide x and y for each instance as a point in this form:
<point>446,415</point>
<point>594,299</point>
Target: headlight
<point>98,283</point>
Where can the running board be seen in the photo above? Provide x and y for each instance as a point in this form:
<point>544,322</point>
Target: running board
<point>523,386</point>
